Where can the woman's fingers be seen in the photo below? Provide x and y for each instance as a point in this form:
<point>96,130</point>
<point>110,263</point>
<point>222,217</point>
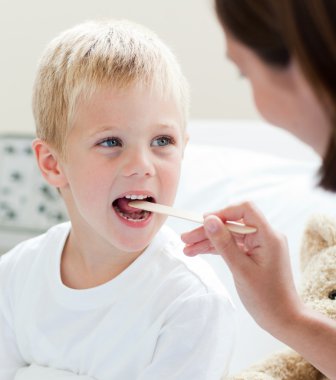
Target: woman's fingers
<point>224,242</point>
<point>194,236</point>
<point>237,250</point>
<point>203,246</point>
<point>197,240</point>
<point>246,212</point>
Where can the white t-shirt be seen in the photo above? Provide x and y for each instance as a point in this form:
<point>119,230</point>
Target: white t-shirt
<point>165,317</point>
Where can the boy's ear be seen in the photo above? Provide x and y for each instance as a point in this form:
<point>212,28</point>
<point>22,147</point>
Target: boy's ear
<point>49,163</point>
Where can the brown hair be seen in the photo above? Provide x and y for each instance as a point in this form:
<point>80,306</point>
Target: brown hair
<point>277,30</point>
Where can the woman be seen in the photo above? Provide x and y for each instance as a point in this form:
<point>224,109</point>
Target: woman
<point>287,50</point>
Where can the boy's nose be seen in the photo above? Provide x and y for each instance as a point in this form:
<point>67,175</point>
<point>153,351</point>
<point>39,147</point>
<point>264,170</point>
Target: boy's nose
<point>139,162</point>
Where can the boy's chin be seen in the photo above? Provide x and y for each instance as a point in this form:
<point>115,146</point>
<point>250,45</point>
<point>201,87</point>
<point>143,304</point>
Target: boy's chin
<point>133,240</point>
<point>134,244</point>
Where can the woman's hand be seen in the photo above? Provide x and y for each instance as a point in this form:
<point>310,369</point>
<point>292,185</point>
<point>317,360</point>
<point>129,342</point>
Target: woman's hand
<point>259,263</point>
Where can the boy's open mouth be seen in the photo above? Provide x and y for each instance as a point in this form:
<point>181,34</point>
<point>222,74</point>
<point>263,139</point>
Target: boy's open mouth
<point>127,212</point>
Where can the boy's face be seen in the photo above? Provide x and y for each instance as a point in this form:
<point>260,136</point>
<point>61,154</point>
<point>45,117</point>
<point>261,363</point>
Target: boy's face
<point>122,143</point>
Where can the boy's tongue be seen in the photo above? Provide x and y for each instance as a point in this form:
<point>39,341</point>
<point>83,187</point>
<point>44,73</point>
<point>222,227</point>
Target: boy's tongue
<point>122,204</point>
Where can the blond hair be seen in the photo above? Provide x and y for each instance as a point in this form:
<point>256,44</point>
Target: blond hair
<point>95,54</point>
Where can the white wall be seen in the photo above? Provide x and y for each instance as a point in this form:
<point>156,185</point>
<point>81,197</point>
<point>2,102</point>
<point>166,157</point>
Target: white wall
<point>189,27</point>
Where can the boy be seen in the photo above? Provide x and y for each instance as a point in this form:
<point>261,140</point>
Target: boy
<point>111,295</point>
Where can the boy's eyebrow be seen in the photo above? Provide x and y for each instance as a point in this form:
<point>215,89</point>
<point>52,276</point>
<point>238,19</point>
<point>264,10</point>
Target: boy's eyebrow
<point>168,125</point>
<point>113,128</point>
<point>104,129</point>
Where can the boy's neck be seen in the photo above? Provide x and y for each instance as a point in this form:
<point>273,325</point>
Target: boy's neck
<point>85,267</point>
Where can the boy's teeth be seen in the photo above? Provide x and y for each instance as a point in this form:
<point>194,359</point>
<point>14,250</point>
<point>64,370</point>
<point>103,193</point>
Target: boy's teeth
<point>132,196</point>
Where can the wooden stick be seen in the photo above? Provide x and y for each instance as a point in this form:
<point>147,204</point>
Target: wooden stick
<point>236,227</point>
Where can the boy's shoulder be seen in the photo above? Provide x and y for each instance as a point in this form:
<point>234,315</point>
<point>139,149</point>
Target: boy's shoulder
<point>24,255</point>
<point>195,272</point>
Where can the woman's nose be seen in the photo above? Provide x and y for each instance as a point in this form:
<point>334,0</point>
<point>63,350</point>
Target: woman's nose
<point>138,162</point>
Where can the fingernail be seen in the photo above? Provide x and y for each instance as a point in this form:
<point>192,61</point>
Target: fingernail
<point>211,226</point>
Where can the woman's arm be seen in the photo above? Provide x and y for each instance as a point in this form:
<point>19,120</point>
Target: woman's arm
<point>261,270</point>
<point>313,336</point>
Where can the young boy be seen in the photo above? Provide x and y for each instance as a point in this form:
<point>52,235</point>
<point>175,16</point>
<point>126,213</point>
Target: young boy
<point>110,294</point>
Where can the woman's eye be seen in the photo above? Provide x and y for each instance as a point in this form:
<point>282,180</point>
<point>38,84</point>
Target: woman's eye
<point>163,141</point>
<point>110,142</point>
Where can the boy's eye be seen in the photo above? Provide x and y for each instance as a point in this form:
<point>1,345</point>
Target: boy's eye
<point>110,142</point>
<point>162,141</point>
